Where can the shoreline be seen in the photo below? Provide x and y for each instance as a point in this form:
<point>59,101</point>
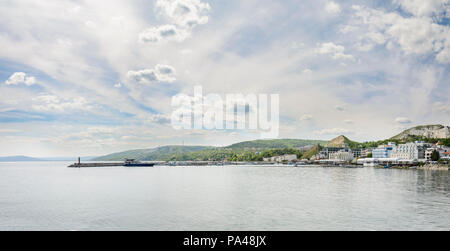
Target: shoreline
<point>427,167</point>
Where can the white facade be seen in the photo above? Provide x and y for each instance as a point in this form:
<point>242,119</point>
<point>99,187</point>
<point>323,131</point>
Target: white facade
<point>286,157</point>
<point>409,151</point>
<point>429,152</point>
<point>382,152</point>
<point>344,156</point>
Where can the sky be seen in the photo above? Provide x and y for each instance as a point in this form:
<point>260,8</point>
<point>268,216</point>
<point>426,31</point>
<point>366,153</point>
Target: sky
<point>84,78</point>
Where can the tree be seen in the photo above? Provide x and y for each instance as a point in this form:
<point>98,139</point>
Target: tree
<point>435,156</point>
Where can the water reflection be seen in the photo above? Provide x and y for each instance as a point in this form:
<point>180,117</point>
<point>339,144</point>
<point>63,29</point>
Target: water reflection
<point>48,196</point>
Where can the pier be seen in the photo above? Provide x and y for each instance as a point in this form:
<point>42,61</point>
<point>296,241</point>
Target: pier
<point>84,165</point>
<point>128,162</point>
<point>171,163</point>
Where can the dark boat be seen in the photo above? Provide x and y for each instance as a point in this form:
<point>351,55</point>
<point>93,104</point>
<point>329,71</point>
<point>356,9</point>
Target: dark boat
<point>134,163</point>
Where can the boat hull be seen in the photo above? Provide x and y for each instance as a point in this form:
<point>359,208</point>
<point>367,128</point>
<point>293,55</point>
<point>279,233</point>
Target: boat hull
<point>139,165</point>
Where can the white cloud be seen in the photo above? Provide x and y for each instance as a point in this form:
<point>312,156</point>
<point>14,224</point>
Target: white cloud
<point>419,35</point>
<point>347,28</point>
<point>185,13</point>
<point>336,51</point>
<point>416,35</point>
<point>441,108</point>
<point>425,7</point>
<point>444,56</point>
<point>333,131</point>
<point>20,78</point>
<point>161,73</point>
<point>307,71</point>
<point>76,72</point>
<point>164,32</point>
<point>306,117</point>
<point>90,24</point>
<point>403,120</point>
<point>332,8</point>
<point>118,85</point>
<point>52,103</point>
<point>160,119</point>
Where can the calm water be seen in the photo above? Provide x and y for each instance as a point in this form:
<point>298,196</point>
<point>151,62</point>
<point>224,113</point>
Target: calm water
<point>49,196</point>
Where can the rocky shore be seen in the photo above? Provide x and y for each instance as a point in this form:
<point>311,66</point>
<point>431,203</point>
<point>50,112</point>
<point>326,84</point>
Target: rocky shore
<point>430,167</point>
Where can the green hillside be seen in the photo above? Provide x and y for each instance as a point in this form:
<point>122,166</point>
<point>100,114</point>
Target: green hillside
<point>245,150</point>
<point>275,144</point>
<point>257,149</point>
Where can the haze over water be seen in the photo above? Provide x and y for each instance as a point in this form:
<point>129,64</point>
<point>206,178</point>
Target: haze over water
<point>49,196</point>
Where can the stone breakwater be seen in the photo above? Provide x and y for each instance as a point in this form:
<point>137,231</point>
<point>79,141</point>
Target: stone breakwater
<point>434,168</point>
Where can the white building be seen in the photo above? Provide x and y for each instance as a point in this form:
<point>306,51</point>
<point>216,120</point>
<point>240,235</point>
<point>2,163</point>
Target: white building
<point>446,156</point>
<point>441,149</point>
<point>383,151</point>
<point>344,156</point>
<point>409,151</point>
<point>365,152</point>
<point>286,157</point>
<point>327,152</point>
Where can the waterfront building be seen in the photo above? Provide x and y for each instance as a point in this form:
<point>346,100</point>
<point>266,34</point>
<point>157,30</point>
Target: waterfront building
<point>446,155</point>
<point>286,157</point>
<point>383,151</point>
<point>365,152</point>
<point>409,151</point>
<point>357,152</point>
<point>380,153</point>
<point>440,149</point>
<point>327,152</point>
<point>342,155</point>
<point>429,152</point>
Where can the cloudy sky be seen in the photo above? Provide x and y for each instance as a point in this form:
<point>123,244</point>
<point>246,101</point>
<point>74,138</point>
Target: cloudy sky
<point>82,77</point>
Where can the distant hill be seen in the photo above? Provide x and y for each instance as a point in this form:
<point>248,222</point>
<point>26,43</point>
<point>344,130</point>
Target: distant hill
<point>275,144</point>
<point>159,153</point>
<point>342,141</point>
<point>426,131</point>
<point>18,159</point>
<point>168,152</point>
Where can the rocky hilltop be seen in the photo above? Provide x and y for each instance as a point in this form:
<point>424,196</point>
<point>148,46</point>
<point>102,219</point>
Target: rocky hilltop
<point>427,131</point>
<point>341,142</point>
